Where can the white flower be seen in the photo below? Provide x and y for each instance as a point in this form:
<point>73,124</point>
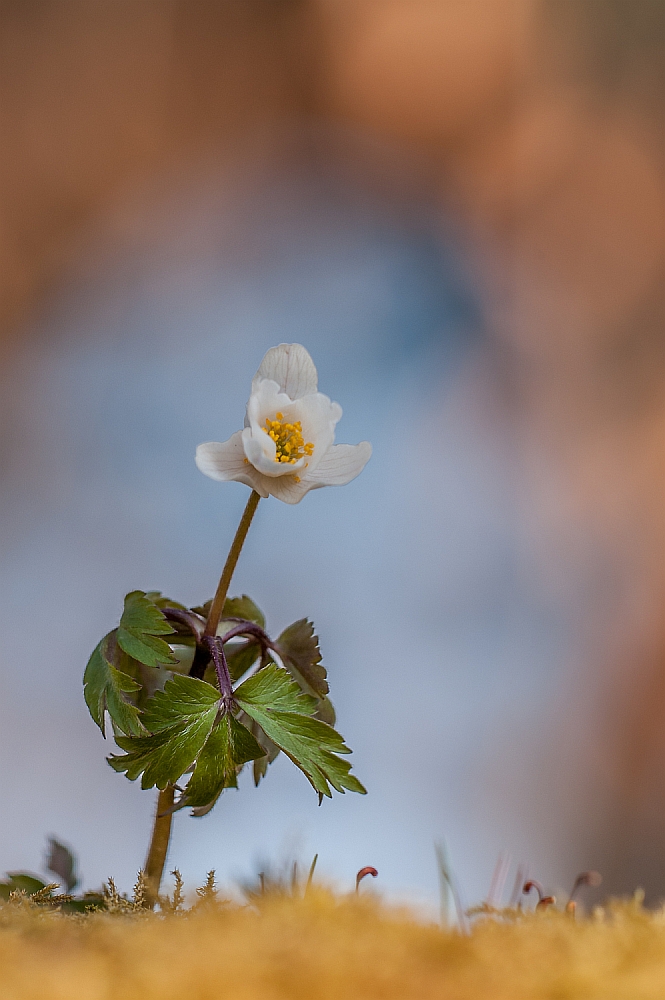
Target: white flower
<point>286,447</point>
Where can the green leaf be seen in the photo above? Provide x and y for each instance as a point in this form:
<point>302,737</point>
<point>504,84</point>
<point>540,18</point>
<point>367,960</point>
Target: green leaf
<point>158,598</point>
<point>241,657</point>
<point>183,650</point>
<point>235,607</point>
<point>62,863</point>
<point>270,751</point>
<point>149,679</point>
<point>183,700</point>
<point>273,689</point>
<point>30,884</point>
<point>325,711</point>
<point>180,719</point>
<point>298,649</point>
<point>141,624</point>
<point>182,629</point>
<point>106,688</point>
<point>229,746</point>
<point>243,607</point>
<point>160,758</point>
<point>284,714</point>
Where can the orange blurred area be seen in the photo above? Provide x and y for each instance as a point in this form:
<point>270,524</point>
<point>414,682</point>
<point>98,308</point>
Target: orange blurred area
<point>535,128</point>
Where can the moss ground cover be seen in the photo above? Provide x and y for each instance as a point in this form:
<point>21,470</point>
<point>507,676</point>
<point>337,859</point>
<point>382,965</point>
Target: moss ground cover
<point>325,947</point>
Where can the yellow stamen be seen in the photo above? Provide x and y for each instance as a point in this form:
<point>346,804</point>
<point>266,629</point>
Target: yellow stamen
<point>290,445</point>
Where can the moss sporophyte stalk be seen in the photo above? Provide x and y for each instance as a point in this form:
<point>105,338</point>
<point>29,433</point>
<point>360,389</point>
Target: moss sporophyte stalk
<point>188,724</point>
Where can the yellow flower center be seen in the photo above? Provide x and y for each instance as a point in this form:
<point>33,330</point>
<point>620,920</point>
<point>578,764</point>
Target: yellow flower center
<point>289,443</point>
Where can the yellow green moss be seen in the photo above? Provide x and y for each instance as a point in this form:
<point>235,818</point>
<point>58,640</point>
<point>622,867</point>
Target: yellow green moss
<point>326,948</point>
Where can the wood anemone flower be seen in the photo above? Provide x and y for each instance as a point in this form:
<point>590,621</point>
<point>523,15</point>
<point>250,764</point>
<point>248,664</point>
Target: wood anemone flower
<point>287,445</point>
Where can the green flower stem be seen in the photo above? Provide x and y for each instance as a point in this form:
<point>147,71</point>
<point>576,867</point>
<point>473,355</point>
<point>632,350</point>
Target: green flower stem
<point>159,844</point>
<point>161,831</point>
<point>218,600</point>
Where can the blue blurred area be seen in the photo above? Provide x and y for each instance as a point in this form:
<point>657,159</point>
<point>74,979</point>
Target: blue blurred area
<point>437,647</point>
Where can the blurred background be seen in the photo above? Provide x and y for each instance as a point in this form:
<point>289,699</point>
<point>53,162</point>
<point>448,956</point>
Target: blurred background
<point>458,207</point>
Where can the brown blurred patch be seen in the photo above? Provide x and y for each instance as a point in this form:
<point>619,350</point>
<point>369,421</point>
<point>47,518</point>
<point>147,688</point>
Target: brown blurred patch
<point>96,95</point>
<point>428,72</point>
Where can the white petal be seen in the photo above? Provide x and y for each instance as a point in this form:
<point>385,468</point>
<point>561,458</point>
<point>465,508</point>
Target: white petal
<point>260,451</point>
<point>225,461</point>
<point>340,464</point>
<point>288,490</point>
<point>317,414</point>
<point>291,367</point>
<point>266,400</point>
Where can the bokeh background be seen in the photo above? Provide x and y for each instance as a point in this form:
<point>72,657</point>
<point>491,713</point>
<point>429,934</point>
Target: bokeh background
<point>458,207</point>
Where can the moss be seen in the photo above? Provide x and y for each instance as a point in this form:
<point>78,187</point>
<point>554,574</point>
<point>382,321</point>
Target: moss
<point>326,948</point>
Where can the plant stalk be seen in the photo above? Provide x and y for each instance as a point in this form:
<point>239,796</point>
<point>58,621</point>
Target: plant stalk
<point>159,844</point>
<point>216,647</point>
<point>217,606</point>
<point>161,831</point>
